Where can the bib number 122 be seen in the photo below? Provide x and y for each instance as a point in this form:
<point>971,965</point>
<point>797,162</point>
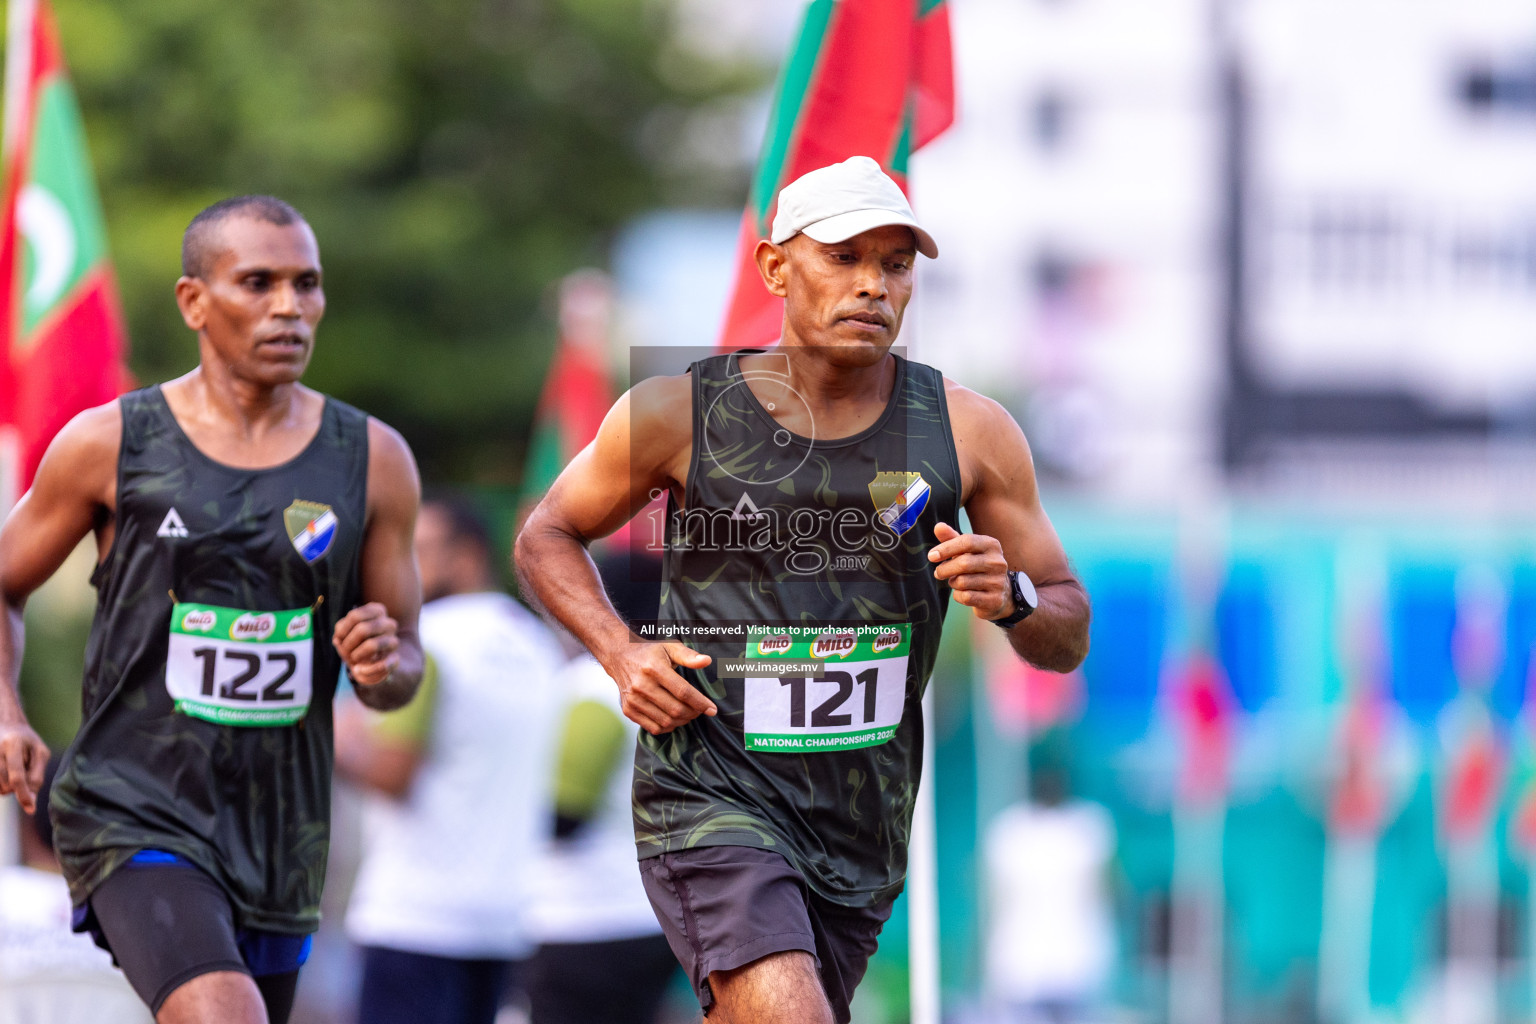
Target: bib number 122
<point>242,685</point>
<point>236,667</point>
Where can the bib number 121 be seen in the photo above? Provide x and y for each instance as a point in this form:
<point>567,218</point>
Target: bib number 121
<point>856,701</point>
<point>828,713</point>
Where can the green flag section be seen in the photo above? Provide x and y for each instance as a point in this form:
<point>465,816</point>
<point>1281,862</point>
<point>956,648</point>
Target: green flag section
<point>864,78</point>
<point>59,213</point>
<point>61,328</point>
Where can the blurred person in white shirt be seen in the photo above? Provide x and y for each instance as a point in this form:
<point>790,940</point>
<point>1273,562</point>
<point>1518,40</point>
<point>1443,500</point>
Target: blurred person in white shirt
<point>457,787</point>
<point>602,958</point>
<point>49,974</point>
<point>1050,946</point>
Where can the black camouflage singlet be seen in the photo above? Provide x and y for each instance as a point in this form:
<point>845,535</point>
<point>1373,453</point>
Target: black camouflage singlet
<point>793,556</point>
<point>197,738</point>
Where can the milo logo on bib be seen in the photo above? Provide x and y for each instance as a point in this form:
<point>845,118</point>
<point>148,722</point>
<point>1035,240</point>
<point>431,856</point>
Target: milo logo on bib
<point>834,645</point>
<point>237,667</point>
<point>198,622</point>
<point>771,645</point>
<point>253,627</point>
<point>858,700</point>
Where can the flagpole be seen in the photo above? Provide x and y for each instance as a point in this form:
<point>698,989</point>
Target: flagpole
<point>1358,805</point>
<point>18,69</point>
<point>10,473</point>
<point>1472,886</point>
<point>1198,889</point>
<point>923,888</point>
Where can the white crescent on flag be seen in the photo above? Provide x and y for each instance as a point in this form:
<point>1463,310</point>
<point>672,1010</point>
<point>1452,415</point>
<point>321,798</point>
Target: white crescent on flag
<point>45,224</point>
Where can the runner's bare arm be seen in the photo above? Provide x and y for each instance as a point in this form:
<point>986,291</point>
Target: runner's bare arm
<point>73,494</point>
<point>378,639</point>
<point>642,446</point>
<point>1011,532</point>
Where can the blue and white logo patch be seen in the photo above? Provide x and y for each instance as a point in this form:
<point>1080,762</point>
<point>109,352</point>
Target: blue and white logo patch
<point>899,499</point>
<point>311,526</point>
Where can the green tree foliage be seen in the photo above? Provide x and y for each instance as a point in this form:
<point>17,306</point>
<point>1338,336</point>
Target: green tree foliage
<point>455,157</point>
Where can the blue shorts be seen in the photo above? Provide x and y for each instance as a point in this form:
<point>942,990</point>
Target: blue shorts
<point>166,922</point>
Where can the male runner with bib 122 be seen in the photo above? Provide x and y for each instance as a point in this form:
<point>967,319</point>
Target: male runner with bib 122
<point>253,538</point>
<point>811,551</point>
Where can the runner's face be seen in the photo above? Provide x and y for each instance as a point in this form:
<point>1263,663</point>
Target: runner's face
<point>259,304</point>
<point>849,295</point>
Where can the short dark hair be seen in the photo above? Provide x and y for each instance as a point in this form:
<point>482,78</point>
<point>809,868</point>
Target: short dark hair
<point>198,242</point>
<point>465,523</point>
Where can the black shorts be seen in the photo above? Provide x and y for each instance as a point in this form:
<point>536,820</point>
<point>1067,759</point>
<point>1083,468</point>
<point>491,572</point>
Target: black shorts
<point>722,907</point>
<point>620,981</point>
<point>166,922</point>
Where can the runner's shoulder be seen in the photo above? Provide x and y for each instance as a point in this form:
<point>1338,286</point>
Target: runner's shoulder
<point>975,414</point>
<point>988,440</point>
<point>660,409</point>
<point>394,483</point>
<point>385,440</point>
<point>89,440</point>
<point>80,463</point>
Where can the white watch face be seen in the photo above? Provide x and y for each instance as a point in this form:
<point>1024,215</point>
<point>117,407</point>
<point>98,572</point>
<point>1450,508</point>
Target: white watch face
<point>1027,588</point>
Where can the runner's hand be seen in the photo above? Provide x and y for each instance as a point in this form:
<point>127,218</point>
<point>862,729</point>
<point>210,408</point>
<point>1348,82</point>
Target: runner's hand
<point>23,756</point>
<point>366,640</point>
<point>975,569</point>
<point>651,694</point>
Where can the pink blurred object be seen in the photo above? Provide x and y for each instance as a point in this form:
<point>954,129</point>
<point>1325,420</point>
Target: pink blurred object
<point>1204,710</point>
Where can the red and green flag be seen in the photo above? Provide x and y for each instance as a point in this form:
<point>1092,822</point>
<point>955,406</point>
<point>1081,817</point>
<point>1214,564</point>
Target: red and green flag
<point>61,327</point>
<point>865,78</point>
<point>578,389</point>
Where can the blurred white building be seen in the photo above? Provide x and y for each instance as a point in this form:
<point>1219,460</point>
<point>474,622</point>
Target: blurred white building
<point>1073,200</point>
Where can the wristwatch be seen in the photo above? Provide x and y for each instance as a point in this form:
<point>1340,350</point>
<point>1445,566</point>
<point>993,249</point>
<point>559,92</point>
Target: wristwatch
<point>1025,600</point>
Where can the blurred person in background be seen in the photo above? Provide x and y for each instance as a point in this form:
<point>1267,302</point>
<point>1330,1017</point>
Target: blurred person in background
<point>49,975</point>
<point>456,782</point>
<point>602,958</point>
<point>1050,946</point>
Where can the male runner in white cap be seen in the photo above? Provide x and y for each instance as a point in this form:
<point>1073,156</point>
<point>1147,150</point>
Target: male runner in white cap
<point>812,549</point>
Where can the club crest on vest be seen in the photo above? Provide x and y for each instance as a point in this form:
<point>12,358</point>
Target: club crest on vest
<point>899,499</point>
<point>311,526</point>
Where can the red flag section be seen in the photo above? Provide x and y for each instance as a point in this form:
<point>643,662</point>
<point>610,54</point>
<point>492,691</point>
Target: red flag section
<point>865,78</point>
<point>1359,801</point>
<point>61,328</point>
<point>1203,711</point>
<point>578,389</point>
<point>1473,785</point>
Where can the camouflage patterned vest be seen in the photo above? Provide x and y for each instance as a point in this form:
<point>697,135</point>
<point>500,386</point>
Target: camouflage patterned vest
<point>801,568</point>
<point>207,715</point>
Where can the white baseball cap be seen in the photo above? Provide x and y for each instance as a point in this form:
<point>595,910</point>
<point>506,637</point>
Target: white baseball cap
<point>834,203</point>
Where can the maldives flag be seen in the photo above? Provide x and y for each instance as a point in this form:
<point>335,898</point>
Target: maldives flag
<point>865,78</point>
<point>61,328</point>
